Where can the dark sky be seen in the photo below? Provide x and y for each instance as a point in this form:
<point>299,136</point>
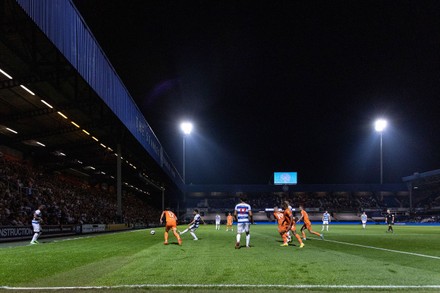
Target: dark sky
<point>281,85</point>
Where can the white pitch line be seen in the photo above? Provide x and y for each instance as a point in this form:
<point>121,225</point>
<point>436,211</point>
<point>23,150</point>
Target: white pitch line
<point>223,286</point>
<point>385,249</point>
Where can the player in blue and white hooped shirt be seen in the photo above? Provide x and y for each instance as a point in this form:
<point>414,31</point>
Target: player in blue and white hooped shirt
<point>194,224</point>
<point>326,219</point>
<point>36,224</point>
<point>243,216</point>
<point>364,219</point>
<point>217,221</point>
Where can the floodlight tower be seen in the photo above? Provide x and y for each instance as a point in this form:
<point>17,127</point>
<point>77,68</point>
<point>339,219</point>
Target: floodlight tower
<point>380,126</point>
<point>186,128</point>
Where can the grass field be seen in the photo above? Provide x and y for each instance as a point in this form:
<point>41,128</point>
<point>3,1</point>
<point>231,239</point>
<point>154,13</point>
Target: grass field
<point>350,259</point>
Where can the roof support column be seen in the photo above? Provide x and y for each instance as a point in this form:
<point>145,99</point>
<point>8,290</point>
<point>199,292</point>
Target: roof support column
<point>119,183</point>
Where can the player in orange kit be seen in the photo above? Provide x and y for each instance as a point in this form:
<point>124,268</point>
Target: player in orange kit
<point>171,224</point>
<point>307,224</point>
<point>229,220</point>
<point>279,216</point>
<point>286,223</point>
<point>293,229</point>
<point>290,224</point>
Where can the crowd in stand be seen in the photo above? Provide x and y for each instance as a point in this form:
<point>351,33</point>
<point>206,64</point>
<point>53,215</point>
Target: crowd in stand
<point>23,188</point>
<point>71,201</point>
<point>337,201</point>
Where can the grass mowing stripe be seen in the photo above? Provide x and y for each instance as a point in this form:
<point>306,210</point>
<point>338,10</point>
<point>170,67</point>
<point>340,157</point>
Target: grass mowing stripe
<point>385,249</point>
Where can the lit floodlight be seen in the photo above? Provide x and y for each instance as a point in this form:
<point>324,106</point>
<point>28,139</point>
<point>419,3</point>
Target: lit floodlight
<point>5,74</point>
<point>380,125</point>
<point>26,89</point>
<point>186,127</point>
<point>11,130</point>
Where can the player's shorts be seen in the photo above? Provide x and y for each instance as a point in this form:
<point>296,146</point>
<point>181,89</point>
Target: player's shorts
<point>170,226</point>
<point>243,227</point>
<point>364,222</point>
<point>193,227</point>
<point>307,226</point>
<point>37,227</point>
<point>217,223</point>
<point>283,229</point>
<point>325,222</point>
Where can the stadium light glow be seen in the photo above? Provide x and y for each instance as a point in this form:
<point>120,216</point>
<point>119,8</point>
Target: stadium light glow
<point>11,130</point>
<point>26,89</point>
<point>39,143</point>
<point>103,145</point>
<point>86,132</point>
<point>380,125</point>
<point>94,138</point>
<point>62,115</point>
<point>75,124</point>
<point>5,74</point>
<point>47,104</point>
<point>186,127</point>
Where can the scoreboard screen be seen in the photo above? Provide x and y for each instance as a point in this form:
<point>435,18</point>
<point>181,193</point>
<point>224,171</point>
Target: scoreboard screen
<point>285,178</point>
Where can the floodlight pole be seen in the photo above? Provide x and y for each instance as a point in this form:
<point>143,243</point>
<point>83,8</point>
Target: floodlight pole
<point>380,126</point>
<point>183,156</point>
<point>381,159</point>
<point>119,182</point>
<point>186,128</point>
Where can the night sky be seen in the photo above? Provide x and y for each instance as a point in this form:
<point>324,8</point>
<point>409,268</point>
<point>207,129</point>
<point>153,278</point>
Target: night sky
<point>281,85</point>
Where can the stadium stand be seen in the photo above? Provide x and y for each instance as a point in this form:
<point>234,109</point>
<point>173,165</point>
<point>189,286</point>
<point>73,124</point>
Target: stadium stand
<point>67,199</point>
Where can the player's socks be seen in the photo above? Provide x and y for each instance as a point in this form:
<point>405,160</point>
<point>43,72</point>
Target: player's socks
<point>248,239</point>
<point>298,238</point>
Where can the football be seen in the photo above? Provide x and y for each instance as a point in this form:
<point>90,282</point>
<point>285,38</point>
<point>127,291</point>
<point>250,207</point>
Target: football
<point>152,232</point>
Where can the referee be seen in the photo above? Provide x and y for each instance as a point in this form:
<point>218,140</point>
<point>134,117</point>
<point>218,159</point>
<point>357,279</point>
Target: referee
<point>389,219</point>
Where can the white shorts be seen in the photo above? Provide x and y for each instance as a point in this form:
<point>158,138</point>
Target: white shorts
<point>325,222</point>
<point>217,223</point>
<point>193,227</point>
<point>37,227</point>
<point>243,227</point>
<point>364,222</point>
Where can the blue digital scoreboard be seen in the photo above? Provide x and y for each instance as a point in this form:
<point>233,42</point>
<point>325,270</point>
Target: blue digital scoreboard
<point>285,178</point>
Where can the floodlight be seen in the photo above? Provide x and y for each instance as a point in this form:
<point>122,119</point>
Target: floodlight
<point>380,125</point>
<point>186,127</point>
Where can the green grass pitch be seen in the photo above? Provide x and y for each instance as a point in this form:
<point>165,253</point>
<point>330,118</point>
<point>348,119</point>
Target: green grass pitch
<point>350,259</point>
